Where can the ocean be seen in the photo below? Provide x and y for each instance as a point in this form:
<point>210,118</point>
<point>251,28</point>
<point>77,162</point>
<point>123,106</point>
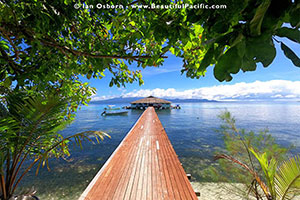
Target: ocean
<point>191,130</point>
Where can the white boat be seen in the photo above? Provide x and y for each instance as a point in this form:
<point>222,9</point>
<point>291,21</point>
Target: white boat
<point>111,107</point>
<point>105,113</point>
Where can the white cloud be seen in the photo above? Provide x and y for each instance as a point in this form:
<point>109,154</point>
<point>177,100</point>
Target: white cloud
<point>275,89</point>
<point>99,98</point>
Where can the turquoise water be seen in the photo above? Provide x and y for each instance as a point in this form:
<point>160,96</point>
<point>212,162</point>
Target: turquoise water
<point>190,129</point>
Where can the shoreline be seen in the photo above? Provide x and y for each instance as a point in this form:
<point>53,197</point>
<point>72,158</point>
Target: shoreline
<point>224,191</point>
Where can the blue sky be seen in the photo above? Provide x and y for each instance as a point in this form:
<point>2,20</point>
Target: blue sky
<point>167,81</point>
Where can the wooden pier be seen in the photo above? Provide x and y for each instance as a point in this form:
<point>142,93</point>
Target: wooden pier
<point>143,167</point>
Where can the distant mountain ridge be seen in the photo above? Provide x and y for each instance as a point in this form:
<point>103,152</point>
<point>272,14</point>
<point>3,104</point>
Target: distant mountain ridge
<point>130,99</point>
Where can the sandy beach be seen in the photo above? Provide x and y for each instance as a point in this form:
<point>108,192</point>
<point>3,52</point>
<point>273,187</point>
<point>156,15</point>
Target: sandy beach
<point>223,191</point>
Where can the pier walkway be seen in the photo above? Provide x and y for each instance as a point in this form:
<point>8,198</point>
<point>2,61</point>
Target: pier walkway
<point>144,166</point>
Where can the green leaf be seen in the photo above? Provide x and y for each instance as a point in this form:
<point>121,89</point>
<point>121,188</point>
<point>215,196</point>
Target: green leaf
<point>290,54</point>
<point>255,23</point>
<point>188,45</point>
<point>89,75</point>
<point>198,29</point>
<point>132,23</point>
<point>268,167</point>
<point>294,17</point>
<point>207,59</point>
<point>172,50</point>
<point>287,176</point>
<point>261,50</point>
<point>111,83</point>
<point>220,27</point>
<point>7,82</point>
<point>248,64</point>
<point>4,45</point>
<point>241,48</point>
<point>292,34</point>
<point>228,63</point>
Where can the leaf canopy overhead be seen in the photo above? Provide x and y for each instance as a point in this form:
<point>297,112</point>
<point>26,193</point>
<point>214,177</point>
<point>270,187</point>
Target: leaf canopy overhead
<point>47,44</point>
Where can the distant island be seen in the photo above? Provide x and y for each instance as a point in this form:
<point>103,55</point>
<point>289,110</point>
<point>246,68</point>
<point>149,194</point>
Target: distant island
<point>130,99</point>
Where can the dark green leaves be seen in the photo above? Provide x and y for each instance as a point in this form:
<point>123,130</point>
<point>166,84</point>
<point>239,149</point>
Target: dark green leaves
<point>248,64</point>
<point>247,30</point>
<point>86,41</point>
<point>244,55</point>
<point>290,54</point>
<point>261,50</point>
<point>220,27</point>
<point>255,23</point>
<point>295,16</point>
<point>7,82</point>
<point>228,63</point>
<point>207,60</point>
<point>292,34</point>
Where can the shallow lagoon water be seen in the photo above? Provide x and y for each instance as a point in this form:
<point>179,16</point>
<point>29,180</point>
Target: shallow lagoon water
<point>190,129</point>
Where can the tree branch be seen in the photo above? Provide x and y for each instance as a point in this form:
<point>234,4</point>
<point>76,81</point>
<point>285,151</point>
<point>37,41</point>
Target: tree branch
<point>93,54</point>
<point>64,49</point>
<point>252,172</point>
<point>11,62</point>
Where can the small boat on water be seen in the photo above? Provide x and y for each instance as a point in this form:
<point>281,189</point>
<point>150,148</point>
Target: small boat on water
<point>111,107</point>
<point>176,107</point>
<point>105,113</point>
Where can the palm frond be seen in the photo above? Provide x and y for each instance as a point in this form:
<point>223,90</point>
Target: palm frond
<point>268,167</point>
<point>245,166</point>
<point>60,147</point>
<point>287,176</point>
<point>30,131</point>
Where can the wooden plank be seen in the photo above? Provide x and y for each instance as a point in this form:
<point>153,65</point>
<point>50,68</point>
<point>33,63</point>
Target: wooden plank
<point>95,182</point>
<point>144,189</point>
<point>129,173</point>
<point>175,163</point>
<point>149,183</point>
<point>170,174</point>
<point>183,193</point>
<point>158,184</point>
<point>121,181</point>
<point>153,169</point>
<point>162,169</point>
<point>134,172</point>
<point>144,166</point>
<point>189,192</point>
<point>139,186</point>
<point>171,168</point>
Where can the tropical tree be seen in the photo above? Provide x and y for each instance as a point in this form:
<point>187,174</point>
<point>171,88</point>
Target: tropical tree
<point>29,126</point>
<point>47,44</point>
